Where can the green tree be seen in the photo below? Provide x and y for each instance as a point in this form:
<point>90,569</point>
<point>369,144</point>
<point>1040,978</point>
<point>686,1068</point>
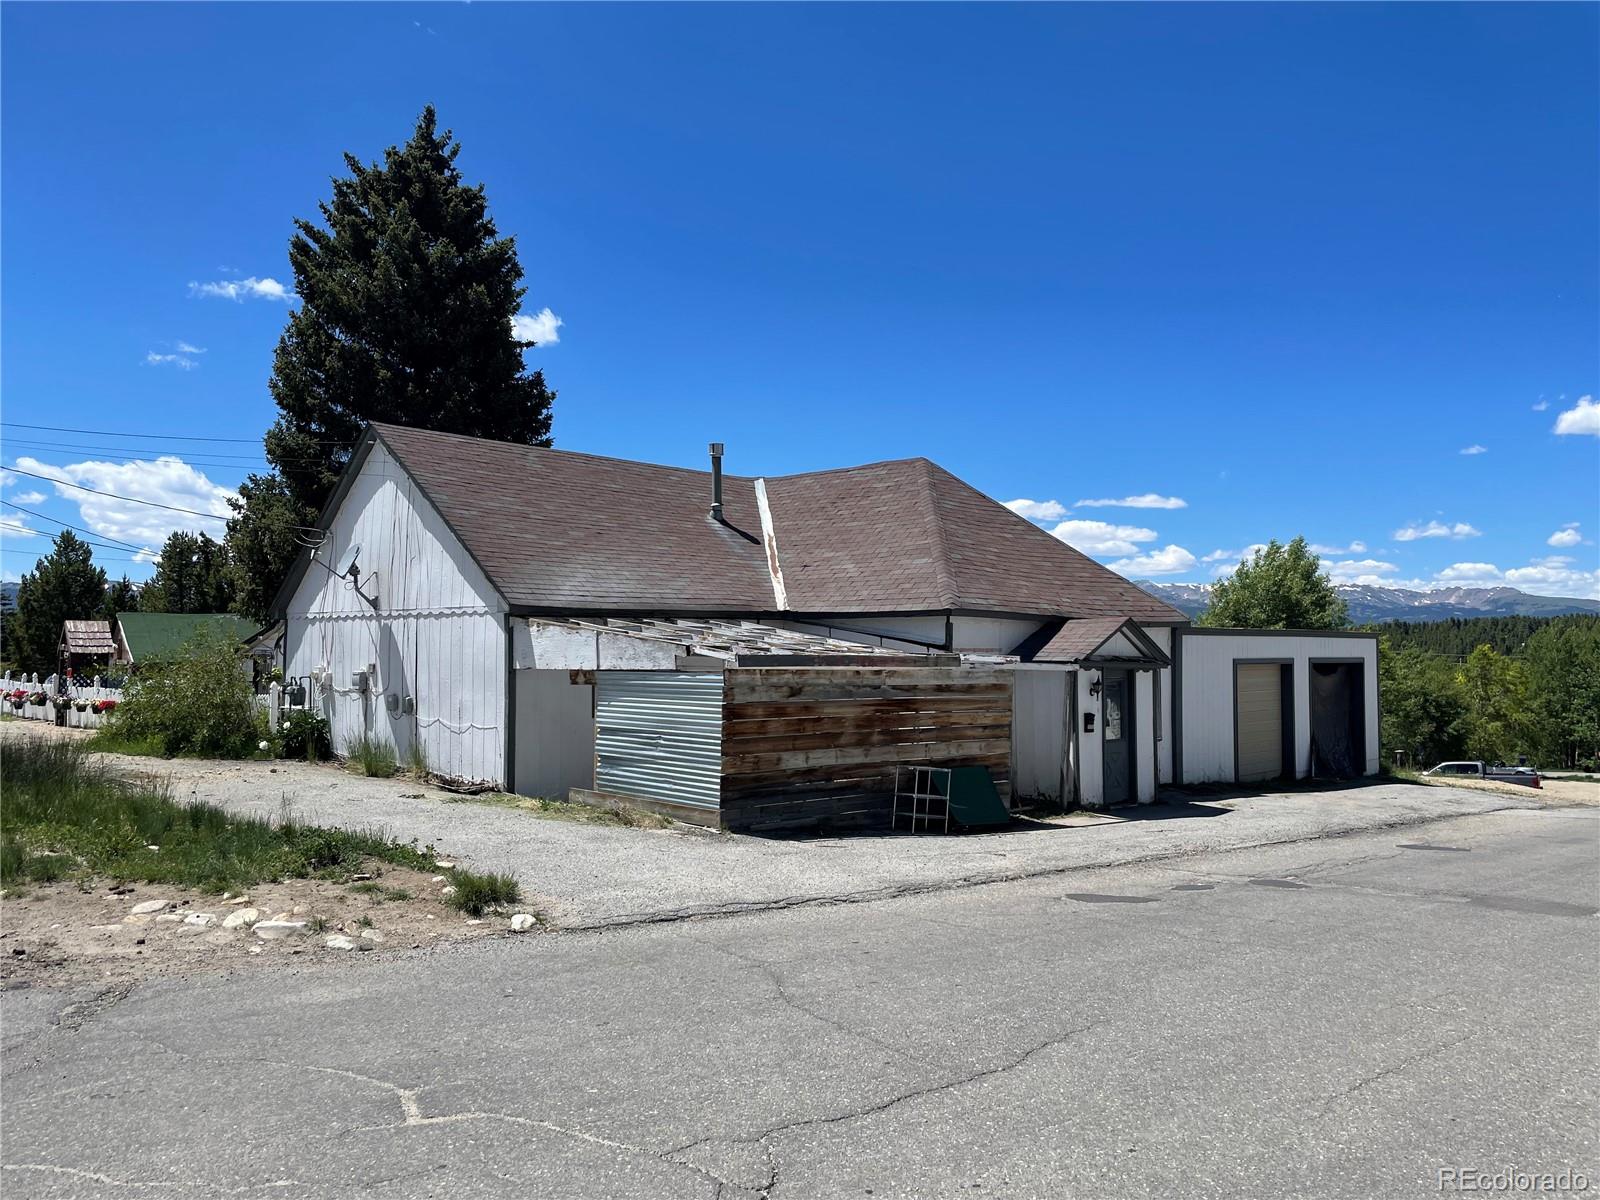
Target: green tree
<point>121,596</point>
<point>196,702</point>
<point>407,294</point>
<point>1496,691</point>
<point>63,585</point>
<point>262,542</point>
<point>1563,666</point>
<point>1278,587</point>
<point>193,575</point>
<point>1424,711</point>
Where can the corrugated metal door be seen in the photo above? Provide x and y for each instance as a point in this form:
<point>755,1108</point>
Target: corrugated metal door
<point>1258,711</point>
<point>658,734</point>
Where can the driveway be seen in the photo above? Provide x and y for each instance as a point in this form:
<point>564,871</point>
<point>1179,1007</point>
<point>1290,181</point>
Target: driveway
<point>586,876</point>
<point>1339,1018</point>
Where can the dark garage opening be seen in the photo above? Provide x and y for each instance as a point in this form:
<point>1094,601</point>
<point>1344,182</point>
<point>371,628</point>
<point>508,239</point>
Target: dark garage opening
<point>1338,720</point>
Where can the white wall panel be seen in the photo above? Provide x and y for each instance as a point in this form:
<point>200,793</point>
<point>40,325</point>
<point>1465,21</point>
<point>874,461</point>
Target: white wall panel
<point>1207,694</point>
<point>1039,735</point>
<point>436,634</point>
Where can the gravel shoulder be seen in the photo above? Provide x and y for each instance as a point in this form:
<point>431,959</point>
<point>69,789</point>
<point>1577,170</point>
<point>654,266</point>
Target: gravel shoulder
<point>587,876</point>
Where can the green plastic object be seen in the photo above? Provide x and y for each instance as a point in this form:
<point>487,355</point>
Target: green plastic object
<point>973,799</point>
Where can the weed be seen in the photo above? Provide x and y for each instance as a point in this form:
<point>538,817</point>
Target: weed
<point>417,761</point>
<point>570,810</point>
<point>368,887</point>
<point>371,757</point>
<point>396,894</point>
<point>65,813</point>
<point>479,891</point>
<point>318,924</point>
<point>364,921</point>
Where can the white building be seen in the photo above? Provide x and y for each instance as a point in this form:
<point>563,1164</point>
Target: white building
<point>439,612</point>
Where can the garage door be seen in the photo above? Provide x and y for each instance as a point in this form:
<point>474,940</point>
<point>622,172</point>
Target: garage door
<point>1258,711</point>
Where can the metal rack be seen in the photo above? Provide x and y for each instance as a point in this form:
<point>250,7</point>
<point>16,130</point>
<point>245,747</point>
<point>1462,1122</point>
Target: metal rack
<point>922,798</point>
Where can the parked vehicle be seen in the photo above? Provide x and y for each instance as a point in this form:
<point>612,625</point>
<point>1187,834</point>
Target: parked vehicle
<point>1498,773</point>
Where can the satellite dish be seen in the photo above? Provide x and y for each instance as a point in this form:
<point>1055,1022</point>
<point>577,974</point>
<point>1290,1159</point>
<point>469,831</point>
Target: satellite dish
<point>347,560</point>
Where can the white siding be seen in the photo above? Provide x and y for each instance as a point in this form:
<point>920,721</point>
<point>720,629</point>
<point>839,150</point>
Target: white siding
<point>554,735</point>
<point>991,635</point>
<point>1039,769</point>
<point>436,635</point>
<point>1091,777</point>
<point>1207,662</point>
<point>1161,635</point>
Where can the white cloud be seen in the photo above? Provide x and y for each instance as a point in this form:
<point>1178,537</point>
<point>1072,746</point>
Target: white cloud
<point>1542,405</point>
<point>541,328</point>
<point>1147,500</point>
<point>182,361</point>
<point>1355,547</point>
<point>30,498</point>
<point>1173,560</point>
<point>1038,510</point>
<point>1436,529</point>
<point>1567,535</point>
<point>239,290</point>
<point>1475,573</point>
<point>186,348</point>
<point>1584,419</point>
<point>1475,449</point>
<point>1101,538</point>
<point>166,480</point>
<point>1359,570</point>
<point>14,525</point>
<point>1550,578</point>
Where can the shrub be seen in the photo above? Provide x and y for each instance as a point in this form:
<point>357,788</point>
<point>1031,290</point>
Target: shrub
<point>372,757</point>
<point>198,703</point>
<point>305,734</point>
<point>479,891</point>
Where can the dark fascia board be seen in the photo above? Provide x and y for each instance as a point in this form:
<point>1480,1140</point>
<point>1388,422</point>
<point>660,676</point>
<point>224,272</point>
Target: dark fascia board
<point>370,437</point>
<point>1212,631</point>
<point>1152,656</point>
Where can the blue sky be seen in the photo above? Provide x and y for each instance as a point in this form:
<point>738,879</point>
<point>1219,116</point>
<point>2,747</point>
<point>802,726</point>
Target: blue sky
<point>1287,265</point>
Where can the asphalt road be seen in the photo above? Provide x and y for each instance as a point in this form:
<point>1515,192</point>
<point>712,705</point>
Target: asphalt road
<point>1338,1017</point>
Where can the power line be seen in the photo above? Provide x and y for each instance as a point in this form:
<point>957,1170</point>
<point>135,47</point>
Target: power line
<point>159,437</point>
<point>129,499</point>
<point>18,528</point>
<point>67,447</point>
<point>74,528</point>
<point>38,554</point>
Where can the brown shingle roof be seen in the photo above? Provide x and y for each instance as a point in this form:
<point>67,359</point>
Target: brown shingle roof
<point>556,530</point>
<point>87,637</point>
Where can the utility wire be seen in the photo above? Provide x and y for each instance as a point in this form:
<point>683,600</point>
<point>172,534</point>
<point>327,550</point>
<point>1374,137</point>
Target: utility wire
<point>74,528</point>
<point>16,528</point>
<point>157,437</point>
<point>193,512</point>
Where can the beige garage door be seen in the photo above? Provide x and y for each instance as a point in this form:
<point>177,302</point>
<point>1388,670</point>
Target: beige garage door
<point>1259,712</point>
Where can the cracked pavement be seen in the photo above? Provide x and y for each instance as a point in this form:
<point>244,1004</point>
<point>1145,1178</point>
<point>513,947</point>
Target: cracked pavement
<point>1397,1012</point>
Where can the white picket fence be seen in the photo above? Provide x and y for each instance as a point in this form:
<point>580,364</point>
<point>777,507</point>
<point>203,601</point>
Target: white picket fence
<point>69,699</point>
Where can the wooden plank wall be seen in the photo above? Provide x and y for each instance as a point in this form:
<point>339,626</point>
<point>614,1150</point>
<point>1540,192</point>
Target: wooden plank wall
<point>814,747</point>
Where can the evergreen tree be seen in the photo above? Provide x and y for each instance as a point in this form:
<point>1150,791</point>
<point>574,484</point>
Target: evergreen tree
<point>406,297</point>
<point>262,542</point>
<point>122,596</point>
<point>1278,587</point>
<point>63,585</point>
<point>192,576</point>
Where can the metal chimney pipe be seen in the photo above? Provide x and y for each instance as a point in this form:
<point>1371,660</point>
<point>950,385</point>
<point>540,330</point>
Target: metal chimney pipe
<point>716,481</point>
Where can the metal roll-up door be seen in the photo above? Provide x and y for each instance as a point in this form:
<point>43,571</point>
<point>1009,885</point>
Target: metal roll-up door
<point>1258,711</point>
<point>658,734</point>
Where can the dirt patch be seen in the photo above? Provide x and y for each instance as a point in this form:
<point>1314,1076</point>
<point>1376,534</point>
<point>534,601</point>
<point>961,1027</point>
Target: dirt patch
<point>1551,791</point>
<point>59,935</point>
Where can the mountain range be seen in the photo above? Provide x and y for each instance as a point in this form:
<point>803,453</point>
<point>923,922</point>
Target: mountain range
<point>1376,604</point>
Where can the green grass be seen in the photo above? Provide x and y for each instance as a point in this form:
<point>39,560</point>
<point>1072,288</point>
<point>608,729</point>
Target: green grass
<point>479,891</point>
<point>66,814</point>
<point>569,810</point>
<point>417,761</point>
<point>371,757</point>
<point>107,742</point>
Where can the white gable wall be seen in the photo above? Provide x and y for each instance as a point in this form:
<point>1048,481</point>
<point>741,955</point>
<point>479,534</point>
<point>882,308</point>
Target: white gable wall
<point>437,634</point>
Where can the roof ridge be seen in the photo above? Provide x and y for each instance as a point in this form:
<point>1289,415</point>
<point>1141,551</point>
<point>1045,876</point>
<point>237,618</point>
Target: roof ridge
<point>941,561</point>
